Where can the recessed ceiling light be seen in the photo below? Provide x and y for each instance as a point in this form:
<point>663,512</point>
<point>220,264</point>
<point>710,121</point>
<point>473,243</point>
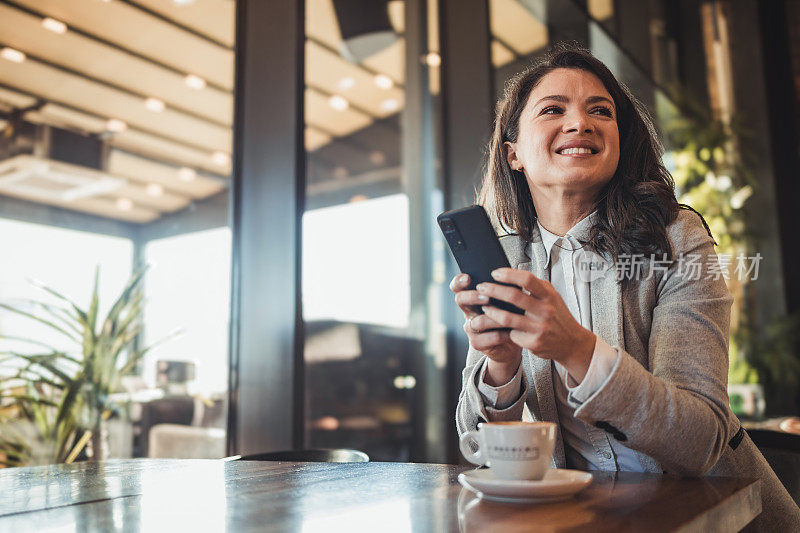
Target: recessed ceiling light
<point>12,55</point>
<point>195,82</point>
<point>390,104</point>
<point>56,26</point>
<point>383,81</point>
<point>376,157</point>
<point>220,158</point>
<point>154,104</point>
<point>154,189</point>
<point>124,204</point>
<point>116,125</point>
<point>183,2</point>
<point>346,83</point>
<point>187,174</point>
<point>338,102</point>
<point>433,59</point>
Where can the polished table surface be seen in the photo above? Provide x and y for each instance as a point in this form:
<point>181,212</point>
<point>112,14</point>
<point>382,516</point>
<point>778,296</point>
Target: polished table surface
<point>200,495</point>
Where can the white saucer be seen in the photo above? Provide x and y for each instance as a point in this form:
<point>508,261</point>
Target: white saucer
<point>557,484</point>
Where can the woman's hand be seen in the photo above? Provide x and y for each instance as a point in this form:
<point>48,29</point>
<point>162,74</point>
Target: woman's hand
<point>504,356</point>
<point>547,329</point>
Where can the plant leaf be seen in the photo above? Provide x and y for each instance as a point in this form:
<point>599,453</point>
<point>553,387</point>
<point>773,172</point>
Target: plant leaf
<point>41,320</point>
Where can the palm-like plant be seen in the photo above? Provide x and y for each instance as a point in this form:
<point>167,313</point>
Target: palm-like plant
<point>65,395</point>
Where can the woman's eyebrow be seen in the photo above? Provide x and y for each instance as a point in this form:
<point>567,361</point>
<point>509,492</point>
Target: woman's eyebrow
<point>564,99</point>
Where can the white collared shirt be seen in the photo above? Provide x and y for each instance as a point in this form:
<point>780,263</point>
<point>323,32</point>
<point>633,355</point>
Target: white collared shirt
<point>563,254</point>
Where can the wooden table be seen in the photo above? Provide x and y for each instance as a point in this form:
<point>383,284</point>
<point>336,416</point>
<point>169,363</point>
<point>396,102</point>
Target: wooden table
<point>203,495</point>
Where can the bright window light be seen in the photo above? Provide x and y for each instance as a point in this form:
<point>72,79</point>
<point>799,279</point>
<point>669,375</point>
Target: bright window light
<point>61,259</point>
<point>356,262</point>
<point>188,287</point>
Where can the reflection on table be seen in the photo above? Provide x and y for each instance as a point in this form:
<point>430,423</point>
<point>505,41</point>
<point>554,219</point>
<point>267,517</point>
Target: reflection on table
<point>207,495</point>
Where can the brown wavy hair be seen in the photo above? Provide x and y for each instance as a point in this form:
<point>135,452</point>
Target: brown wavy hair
<point>634,207</point>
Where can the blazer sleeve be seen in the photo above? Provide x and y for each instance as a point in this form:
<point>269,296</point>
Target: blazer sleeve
<point>471,408</point>
<point>677,412</point>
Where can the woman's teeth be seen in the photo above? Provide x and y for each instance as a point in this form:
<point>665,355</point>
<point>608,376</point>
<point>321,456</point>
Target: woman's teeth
<point>570,151</point>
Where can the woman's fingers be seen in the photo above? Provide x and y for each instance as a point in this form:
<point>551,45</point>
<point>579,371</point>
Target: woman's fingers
<point>489,340</point>
<point>525,280</point>
<point>506,319</point>
<point>469,301</point>
<point>459,283</point>
<point>512,295</point>
<point>480,324</point>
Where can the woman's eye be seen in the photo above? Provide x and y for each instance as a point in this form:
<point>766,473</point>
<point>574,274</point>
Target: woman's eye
<point>547,110</point>
<point>604,110</point>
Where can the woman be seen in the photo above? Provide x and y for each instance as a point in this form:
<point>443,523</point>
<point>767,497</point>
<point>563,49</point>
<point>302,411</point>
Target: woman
<point>620,344</point>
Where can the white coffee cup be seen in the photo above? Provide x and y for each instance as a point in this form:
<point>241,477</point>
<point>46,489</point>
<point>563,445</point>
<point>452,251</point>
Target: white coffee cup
<point>513,450</point>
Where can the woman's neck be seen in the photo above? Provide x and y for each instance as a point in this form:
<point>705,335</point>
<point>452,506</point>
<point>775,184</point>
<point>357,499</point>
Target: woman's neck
<point>558,213</point>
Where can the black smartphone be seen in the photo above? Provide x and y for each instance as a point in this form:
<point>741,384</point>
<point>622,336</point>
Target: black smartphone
<point>476,248</point>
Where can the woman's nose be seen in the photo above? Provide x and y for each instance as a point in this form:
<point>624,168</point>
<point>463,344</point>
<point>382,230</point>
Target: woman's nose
<point>578,122</point>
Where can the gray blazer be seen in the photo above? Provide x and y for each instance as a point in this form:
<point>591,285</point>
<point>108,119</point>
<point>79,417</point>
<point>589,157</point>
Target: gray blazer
<point>666,397</point>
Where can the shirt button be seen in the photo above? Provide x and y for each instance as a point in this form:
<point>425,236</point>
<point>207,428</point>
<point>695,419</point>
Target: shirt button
<point>607,455</point>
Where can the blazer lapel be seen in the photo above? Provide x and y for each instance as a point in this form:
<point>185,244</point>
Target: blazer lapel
<point>542,369</point>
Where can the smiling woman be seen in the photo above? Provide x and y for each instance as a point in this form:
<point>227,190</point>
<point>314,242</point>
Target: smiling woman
<point>630,360</point>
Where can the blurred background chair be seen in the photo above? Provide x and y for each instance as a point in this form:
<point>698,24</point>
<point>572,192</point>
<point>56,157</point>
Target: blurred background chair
<point>782,452</point>
<point>320,455</point>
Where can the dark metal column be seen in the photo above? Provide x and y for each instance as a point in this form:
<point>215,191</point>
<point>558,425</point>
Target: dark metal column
<point>781,106</point>
<point>266,392</point>
<point>467,115</point>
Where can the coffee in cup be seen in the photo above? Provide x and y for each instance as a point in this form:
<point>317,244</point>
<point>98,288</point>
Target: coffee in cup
<point>513,450</point>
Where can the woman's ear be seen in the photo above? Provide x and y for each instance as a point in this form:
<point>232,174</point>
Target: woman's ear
<point>511,156</point>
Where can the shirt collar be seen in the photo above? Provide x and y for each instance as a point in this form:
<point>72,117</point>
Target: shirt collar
<point>577,235</point>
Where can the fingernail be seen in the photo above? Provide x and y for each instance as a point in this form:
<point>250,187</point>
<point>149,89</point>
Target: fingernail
<point>484,308</point>
<point>496,274</point>
<point>463,278</point>
<point>482,288</point>
<point>483,298</point>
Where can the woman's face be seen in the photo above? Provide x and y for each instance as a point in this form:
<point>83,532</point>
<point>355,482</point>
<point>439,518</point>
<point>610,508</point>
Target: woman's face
<point>568,109</point>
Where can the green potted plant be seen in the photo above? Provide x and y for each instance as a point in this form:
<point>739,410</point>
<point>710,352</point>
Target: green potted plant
<point>64,395</point>
<point>711,162</point>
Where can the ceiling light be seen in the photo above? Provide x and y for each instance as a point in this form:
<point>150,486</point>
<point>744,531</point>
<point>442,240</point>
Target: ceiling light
<point>187,174</point>
<point>12,55</point>
<point>220,158</point>
<point>346,83</point>
<point>154,104</point>
<point>383,81</point>
<point>183,2</point>
<point>338,103</point>
<point>154,189</point>
<point>56,26</point>
<point>433,59</point>
<point>390,105</point>
<point>195,82</point>
<point>340,173</point>
<point>124,204</point>
<point>376,157</point>
<point>116,125</point>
